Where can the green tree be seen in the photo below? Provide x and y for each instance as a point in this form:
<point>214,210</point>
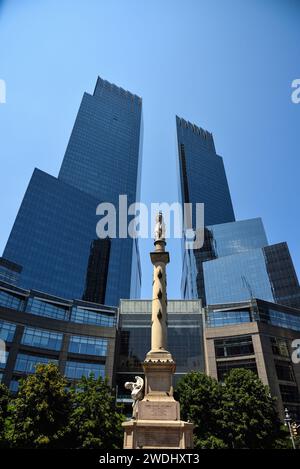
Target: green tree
<point>200,398</point>
<point>249,412</point>
<point>4,412</point>
<point>238,413</point>
<point>40,412</point>
<point>96,419</point>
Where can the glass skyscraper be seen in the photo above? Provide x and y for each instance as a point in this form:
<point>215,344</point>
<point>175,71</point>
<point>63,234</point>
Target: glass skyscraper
<point>103,157</point>
<point>54,236</point>
<point>202,179</point>
<point>235,262</point>
<point>202,173</point>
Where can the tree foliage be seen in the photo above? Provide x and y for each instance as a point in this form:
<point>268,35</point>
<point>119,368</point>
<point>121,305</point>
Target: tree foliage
<point>249,411</point>
<point>200,402</point>
<point>41,410</point>
<point>48,414</point>
<point>238,413</point>
<point>95,420</point>
<point>4,412</point>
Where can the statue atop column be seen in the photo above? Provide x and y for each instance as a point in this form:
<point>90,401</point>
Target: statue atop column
<point>159,258</point>
<point>160,229</point>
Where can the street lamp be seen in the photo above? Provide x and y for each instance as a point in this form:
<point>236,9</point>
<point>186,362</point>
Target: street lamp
<point>231,439</point>
<point>287,423</point>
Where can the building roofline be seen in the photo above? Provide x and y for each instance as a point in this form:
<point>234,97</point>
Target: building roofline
<point>54,299</point>
<point>111,86</point>
<point>195,128</point>
<point>248,303</point>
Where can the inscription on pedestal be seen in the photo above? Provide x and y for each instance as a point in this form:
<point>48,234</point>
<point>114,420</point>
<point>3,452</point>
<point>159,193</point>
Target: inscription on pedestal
<point>163,438</point>
<point>158,411</point>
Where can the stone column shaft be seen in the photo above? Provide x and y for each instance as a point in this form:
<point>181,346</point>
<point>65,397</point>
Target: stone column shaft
<point>159,308</point>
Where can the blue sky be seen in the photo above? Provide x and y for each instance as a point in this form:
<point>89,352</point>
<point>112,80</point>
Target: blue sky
<point>226,65</point>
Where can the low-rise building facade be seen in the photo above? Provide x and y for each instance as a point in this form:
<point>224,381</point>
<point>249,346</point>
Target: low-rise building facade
<point>259,336</point>
<point>38,328</point>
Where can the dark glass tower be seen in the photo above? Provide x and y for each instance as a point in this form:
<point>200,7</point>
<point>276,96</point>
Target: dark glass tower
<point>103,157</point>
<point>202,179</point>
<point>235,262</point>
<point>54,236</point>
<point>202,173</point>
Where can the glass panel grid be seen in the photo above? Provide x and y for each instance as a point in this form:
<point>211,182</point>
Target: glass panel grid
<point>11,301</point>
<point>88,345</point>
<point>86,316</point>
<point>7,331</point>
<point>75,370</point>
<point>42,338</point>
<point>234,346</point>
<point>225,318</point>
<point>42,308</point>
<point>27,363</point>
<point>3,361</point>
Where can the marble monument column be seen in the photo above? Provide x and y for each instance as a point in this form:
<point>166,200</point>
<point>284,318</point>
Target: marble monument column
<point>156,415</point>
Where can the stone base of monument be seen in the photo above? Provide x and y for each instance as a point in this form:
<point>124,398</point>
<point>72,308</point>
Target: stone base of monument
<point>156,434</point>
<point>157,423</point>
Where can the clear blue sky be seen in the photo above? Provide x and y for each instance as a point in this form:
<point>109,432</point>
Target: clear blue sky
<point>226,65</point>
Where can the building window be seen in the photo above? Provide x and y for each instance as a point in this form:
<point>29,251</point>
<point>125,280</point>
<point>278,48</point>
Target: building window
<point>88,345</point>
<point>7,331</point>
<point>97,318</point>
<point>224,367</point>
<point>225,318</point>
<point>284,370</point>
<point>280,347</point>
<point>234,346</point>
<point>294,411</point>
<point>279,318</point>
<point>75,370</point>
<point>14,386</point>
<point>42,338</point>
<point>43,308</point>
<point>97,271</point>
<point>10,301</point>
<point>27,363</point>
<point>3,361</point>
<point>289,393</point>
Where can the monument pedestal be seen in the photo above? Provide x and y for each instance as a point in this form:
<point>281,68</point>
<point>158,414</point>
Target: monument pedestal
<point>147,434</point>
<point>157,423</point>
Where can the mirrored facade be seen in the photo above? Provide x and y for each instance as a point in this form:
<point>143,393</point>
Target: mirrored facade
<point>227,239</point>
<point>267,273</point>
<point>221,241</point>
<point>51,236</point>
<point>202,173</point>
<point>202,179</point>
<point>185,339</point>
<point>54,237</point>
<point>235,262</point>
<point>9,271</point>
<point>103,156</point>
